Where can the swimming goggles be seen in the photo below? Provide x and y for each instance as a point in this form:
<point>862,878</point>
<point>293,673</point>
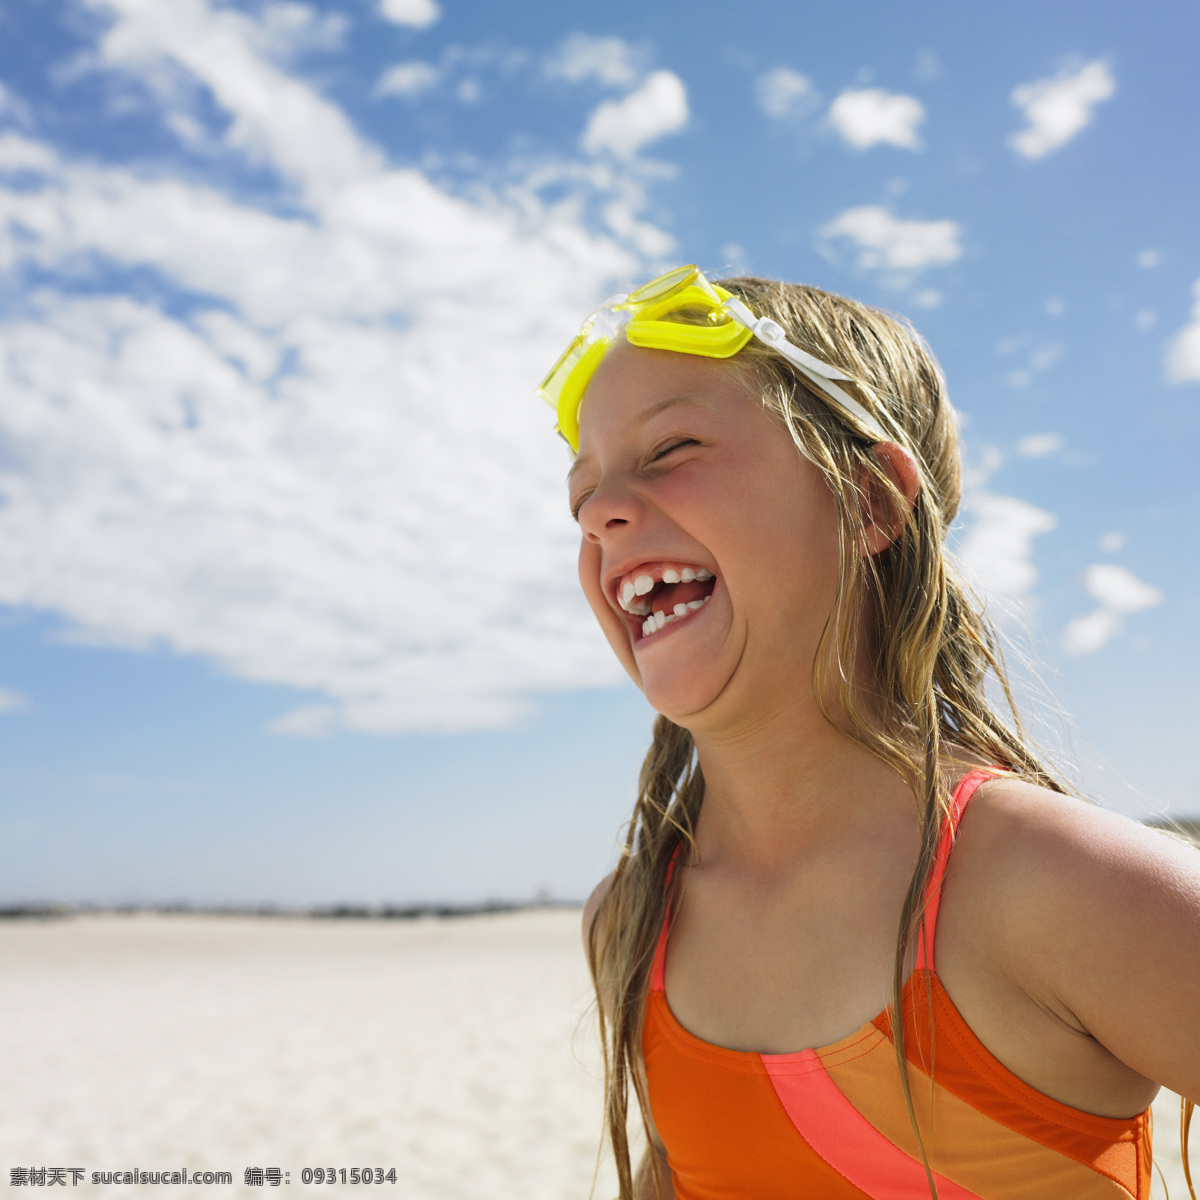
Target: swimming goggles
<point>723,325</point>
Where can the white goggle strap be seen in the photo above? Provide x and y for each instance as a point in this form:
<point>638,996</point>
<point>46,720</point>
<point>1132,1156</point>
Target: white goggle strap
<point>821,374</point>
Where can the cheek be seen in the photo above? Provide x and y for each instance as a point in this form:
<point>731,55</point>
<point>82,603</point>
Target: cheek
<point>590,563</point>
<point>589,577</point>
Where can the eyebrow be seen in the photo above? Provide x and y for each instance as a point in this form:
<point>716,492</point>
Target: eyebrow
<point>583,460</point>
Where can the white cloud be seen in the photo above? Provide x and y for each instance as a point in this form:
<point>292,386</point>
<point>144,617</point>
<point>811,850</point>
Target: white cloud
<point>418,13</point>
<point>1183,358</point>
<point>407,79</point>
<point>872,116</point>
<point>784,93</point>
<point>287,29</point>
<point>1119,589</point>
<point>1119,592</point>
<point>1148,259</point>
<point>608,60</point>
<point>325,468</point>
<point>1112,541</point>
<point>1086,634</point>
<point>624,126</point>
<point>1057,109</point>
<point>888,243</point>
<point>11,702</point>
<point>997,548</point>
<point>1041,358</point>
<point>1038,445</point>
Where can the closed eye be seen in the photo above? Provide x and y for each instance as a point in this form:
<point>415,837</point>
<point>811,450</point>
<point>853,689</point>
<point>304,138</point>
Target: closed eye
<point>655,457</point>
<point>670,449</point>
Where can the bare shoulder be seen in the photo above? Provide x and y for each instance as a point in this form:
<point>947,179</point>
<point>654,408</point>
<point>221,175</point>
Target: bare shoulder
<point>1027,845</point>
<point>592,907</point>
<point>1093,915</point>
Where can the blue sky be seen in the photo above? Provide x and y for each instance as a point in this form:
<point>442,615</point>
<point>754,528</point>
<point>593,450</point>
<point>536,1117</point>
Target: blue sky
<point>287,599</point>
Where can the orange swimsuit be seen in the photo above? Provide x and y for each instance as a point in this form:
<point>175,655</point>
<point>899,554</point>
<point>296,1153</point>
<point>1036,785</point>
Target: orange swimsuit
<point>831,1122</point>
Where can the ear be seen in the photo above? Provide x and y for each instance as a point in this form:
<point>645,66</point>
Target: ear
<point>882,521</point>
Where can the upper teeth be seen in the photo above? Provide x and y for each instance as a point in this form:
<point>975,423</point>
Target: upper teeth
<point>632,590</point>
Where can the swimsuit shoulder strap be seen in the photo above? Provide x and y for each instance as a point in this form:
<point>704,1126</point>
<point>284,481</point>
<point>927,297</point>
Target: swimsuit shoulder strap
<point>958,802</point>
<point>967,787</point>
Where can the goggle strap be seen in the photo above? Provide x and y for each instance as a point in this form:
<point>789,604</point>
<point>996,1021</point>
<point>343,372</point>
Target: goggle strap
<point>771,332</point>
<point>821,374</point>
<point>844,401</point>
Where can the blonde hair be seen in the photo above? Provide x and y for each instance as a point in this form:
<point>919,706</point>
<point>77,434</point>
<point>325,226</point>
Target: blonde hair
<point>934,652</point>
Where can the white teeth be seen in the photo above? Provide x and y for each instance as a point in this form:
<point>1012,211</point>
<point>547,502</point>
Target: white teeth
<point>681,610</point>
<point>643,584</point>
<point>639,608</point>
<point>648,627</point>
<point>703,575</point>
<point>687,574</point>
<point>692,605</point>
<point>627,594</point>
<point>670,575</point>
<point>660,619</point>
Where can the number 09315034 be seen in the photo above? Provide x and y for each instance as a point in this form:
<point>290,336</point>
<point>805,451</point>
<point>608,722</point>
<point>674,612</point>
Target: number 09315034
<point>371,1175</point>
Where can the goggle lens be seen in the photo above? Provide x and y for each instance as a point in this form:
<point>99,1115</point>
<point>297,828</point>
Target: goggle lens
<point>551,386</point>
<point>664,285</point>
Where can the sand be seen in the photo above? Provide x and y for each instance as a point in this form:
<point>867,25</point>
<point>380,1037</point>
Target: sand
<point>443,1048</point>
<point>456,1051</point>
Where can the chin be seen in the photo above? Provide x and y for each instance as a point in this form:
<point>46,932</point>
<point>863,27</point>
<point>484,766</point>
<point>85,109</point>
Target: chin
<point>681,701</point>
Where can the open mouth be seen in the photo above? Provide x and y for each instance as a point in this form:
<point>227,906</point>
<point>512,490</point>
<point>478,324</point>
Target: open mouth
<point>656,594</point>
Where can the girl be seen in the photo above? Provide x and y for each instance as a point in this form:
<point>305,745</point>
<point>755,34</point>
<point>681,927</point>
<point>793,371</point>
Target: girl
<point>807,993</point>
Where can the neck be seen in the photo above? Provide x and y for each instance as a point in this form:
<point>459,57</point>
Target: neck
<point>788,784</point>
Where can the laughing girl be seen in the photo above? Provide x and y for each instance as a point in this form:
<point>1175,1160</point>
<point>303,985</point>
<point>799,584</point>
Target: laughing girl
<point>806,991</point>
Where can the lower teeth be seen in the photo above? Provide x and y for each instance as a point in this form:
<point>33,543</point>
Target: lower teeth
<point>656,621</point>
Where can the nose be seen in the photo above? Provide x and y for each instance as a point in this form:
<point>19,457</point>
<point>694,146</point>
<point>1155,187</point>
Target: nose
<point>609,509</point>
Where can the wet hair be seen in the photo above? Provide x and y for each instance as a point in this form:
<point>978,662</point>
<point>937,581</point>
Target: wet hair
<point>935,655</point>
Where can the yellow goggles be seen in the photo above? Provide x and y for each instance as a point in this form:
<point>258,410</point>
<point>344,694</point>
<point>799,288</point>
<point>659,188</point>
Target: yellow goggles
<point>707,320</point>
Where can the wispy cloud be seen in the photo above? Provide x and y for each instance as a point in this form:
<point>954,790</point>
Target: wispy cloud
<point>873,117</point>
<point>1058,108</point>
<point>1038,359</point>
<point>287,29</point>
<point>622,127</point>
<point>407,79</point>
<point>1119,592</point>
<point>418,13</point>
<point>611,61</point>
<point>1039,445</point>
<point>783,93</point>
<point>1183,358</point>
<point>899,248</point>
<point>11,702</point>
<point>997,548</point>
<point>318,460</point>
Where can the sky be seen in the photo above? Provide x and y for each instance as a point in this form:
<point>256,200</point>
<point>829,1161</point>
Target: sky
<point>288,607</point>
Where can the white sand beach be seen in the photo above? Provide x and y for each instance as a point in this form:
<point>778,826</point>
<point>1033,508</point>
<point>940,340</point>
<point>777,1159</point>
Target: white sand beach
<point>444,1048</point>
<point>455,1050</point>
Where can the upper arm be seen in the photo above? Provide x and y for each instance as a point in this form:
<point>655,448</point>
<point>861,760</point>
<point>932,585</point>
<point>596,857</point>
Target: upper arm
<point>1103,919</point>
<point>593,913</point>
